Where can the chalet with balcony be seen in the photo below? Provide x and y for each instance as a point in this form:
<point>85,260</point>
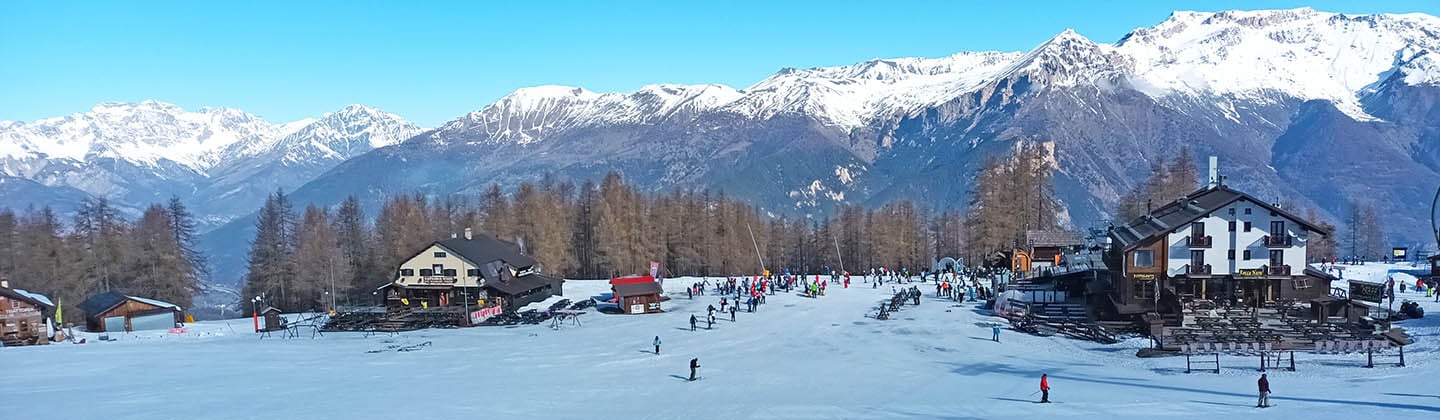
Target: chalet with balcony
<point>1214,244</point>
<point>477,270</point>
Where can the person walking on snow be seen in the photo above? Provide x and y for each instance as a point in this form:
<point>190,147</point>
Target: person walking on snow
<point>1045,388</point>
<point>657,344</point>
<point>732,313</point>
<point>692,322</point>
<point>995,332</point>
<point>694,365</point>
<point>1264,392</point>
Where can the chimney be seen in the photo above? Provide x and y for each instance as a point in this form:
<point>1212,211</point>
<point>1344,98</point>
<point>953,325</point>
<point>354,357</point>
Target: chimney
<point>468,235</point>
<point>1214,180</point>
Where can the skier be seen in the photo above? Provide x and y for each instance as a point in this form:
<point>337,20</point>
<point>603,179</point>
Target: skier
<point>694,365</point>
<point>710,321</point>
<point>995,332</point>
<point>657,344</point>
<point>1264,392</point>
<point>710,310</point>
<point>692,322</point>
<point>732,313</point>
<point>1045,388</point>
<point>690,292</point>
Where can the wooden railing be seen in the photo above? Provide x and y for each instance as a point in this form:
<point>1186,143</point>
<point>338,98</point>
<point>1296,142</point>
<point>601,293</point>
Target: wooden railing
<point>1197,270</point>
<point>1282,241</point>
<point>1279,270</point>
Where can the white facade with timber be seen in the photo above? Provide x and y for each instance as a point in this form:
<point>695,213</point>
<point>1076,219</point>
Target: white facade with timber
<point>1215,243</point>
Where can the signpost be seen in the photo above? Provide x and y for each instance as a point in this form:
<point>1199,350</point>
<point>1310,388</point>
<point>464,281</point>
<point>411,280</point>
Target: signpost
<point>1367,291</point>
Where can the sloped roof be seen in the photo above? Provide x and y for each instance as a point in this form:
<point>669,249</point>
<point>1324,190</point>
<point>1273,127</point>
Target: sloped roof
<point>1189,208</point>
<point>636,289</point>
<point>103,302</point>
<point>483,249</point>
<point>520,285</point>
<point>42,299</point>
<point>1054,238</point>
<point>24,296</point>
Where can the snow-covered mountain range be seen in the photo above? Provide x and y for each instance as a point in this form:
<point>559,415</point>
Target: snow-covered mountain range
<point>1303,106</point>
<point>222,157</point>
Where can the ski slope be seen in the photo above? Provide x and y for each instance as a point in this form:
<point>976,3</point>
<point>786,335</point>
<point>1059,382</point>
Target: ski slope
<point>794,358</point>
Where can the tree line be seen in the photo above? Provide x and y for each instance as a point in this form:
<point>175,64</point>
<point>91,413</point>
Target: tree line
<point>590,230</point>
<point>100,250</point>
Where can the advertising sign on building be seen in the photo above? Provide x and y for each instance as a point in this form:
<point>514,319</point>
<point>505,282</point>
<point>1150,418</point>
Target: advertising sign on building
<point>1399,253</point>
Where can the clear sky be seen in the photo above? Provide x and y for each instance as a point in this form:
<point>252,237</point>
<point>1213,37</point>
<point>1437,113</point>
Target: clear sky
<point>431,61</point>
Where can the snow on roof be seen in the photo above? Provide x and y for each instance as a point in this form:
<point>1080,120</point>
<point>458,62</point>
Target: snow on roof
<point>38,297</point>
<point>155,302</point>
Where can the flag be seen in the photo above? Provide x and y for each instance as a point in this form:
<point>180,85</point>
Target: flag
<point>60,312</point>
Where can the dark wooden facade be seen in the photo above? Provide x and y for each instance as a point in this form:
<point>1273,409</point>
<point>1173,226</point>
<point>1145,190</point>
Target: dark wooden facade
<point>105,311</point>
<point>22,318</point>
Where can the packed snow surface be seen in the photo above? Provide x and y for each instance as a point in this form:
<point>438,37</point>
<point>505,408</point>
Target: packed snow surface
<point>794,358</point>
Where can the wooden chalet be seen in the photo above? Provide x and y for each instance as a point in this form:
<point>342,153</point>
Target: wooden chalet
<point>24,316</point>
<point>637,295</point>
<point>116,312</point>
<point>475,269</point>
<point>1044,248</point>
<point>1215,244</point>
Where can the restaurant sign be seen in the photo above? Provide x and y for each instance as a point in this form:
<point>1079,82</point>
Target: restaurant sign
<point>1367,291</point>
<point>1249,272</point>
<point>1143,276</point>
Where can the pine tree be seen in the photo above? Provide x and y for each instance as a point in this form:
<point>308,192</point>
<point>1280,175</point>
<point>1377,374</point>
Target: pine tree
<point>353,238</point>
<point>322,269</point>
<point>159,267</point>
<point>101,234</point>
<point>272,270</point>
<point>9,242</point>
<point>182,223</point>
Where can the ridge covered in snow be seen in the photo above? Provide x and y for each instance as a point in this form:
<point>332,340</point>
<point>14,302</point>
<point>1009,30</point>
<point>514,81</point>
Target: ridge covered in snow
<point>1263,55</point>
<point>151,132</point>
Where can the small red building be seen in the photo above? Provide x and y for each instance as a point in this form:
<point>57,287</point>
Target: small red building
<point>636,294</point>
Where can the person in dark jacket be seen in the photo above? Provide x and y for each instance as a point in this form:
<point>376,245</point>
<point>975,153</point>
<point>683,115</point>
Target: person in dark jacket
<point>1044,388</point>
<point>1264,392</point>
<point>694,365</point>
<point>692,322</point>
<point>732,313</point>
<point>657,344</point>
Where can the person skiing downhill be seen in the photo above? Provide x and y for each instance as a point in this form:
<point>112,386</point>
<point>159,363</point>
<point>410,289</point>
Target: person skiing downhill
<point>1045,388</point>
<point>995,331</point>
<point>1264,392</point>
<point>692,322</point>
<point>657,344</point>
<point>694,365</point>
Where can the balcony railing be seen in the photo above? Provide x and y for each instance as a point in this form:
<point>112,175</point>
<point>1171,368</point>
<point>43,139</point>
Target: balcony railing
<point>437,280</point>
<point>1279,270</point>
<point>1281,241</point>
<point>1198,241</point>
<point>1197,270</point>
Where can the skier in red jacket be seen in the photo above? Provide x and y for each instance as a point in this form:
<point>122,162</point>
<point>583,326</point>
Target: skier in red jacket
<point>1044,389</point>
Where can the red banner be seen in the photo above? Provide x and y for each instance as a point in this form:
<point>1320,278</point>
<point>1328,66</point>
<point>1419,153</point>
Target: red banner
<point>484,313</point>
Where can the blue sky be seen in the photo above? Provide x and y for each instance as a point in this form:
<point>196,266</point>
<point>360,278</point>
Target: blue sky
<point>431,61</point>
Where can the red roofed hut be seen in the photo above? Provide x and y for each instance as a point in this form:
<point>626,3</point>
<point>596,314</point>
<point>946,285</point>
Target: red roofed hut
<point>636,294</point>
